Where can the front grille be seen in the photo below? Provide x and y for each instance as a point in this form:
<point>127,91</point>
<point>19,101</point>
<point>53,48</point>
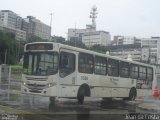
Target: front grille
<point>36,79</point>
<point>36,86</point>
<point>35,91</point>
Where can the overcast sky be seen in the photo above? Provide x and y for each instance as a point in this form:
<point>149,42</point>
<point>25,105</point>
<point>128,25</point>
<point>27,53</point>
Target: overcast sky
<point>139,18</point>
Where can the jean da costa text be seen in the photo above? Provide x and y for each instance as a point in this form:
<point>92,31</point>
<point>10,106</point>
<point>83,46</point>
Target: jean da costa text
<point>142,117</point>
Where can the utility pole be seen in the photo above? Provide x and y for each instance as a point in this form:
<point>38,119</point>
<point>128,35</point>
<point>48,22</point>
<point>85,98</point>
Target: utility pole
<point>75,36</point>
<point>51,24</point>
<point>5,58</point>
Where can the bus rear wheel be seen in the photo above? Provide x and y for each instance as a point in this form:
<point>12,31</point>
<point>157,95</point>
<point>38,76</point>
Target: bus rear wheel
<point>52,99</point>
<point>132,94</point>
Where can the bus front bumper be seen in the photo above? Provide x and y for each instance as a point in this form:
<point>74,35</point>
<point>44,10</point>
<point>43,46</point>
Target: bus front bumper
<point>50,91</point>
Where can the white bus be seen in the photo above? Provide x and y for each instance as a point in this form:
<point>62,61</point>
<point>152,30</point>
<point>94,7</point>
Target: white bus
<point>57,70</point>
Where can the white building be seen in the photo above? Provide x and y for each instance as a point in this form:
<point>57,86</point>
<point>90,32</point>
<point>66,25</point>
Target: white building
<point>96,38</point>
<point>75,33</point>
<point>90,36</point>
<point>152,45</point>
<point>37,28</point>
<point>11,22</point>
<point>10,19</point>
<point>124,40</point>
<point>123,51</point>
<point>128,40</point>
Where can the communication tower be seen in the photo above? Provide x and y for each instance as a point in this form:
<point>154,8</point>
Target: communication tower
<point>93,16</point>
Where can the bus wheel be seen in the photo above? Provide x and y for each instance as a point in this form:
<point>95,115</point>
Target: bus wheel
<point>83,91</point>
<point>52,99</point>
<point>132,94</point>
<point>80,96</point>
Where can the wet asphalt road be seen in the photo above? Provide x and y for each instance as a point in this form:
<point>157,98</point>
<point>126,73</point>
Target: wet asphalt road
<point>69,109</point>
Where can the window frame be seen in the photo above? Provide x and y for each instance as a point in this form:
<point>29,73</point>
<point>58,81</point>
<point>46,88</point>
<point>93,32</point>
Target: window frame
<point>133,77</point>
<point>101,66</point>
<point>31,62</point>
<point>142,73</point>
<point>60,64</point>
<point>150,74</point>
<point>108,63</point>
<point>122,69</point>
<point>86,57</point>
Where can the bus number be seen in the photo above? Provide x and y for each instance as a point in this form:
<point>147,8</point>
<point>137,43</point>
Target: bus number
<point>84,78</point>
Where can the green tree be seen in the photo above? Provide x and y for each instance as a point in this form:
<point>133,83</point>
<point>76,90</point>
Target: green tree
<point>99,48</point>
<point>35,39</point>
<point>8,47</point>
<point>58,39</point>
<point>76,43</point>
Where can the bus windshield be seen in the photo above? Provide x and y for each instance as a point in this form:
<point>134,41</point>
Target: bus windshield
<point>40,63</point>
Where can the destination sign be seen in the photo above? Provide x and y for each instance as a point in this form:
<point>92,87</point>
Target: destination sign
<point>39,46</point>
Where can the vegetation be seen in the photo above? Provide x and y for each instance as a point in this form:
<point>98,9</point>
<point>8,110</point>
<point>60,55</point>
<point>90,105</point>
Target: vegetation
<point>35,39</point>
<point>8,48</point>
<point>99,48</point>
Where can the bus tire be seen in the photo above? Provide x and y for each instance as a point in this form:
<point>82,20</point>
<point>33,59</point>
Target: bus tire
<point>52,99</point>
<point>83,91</point>
<point>132,94</point>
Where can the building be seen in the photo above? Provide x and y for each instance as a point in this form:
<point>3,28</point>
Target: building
<point>148,51</point>
<point>20,35</point>
<point>75,34</point>
<point>151,50</point>
<point>10,19</point>
<point>124,40</point>
<point>96,38</point>
<point>124,51</point>
<point>90,36</point>
<point>11,22</point>
<point>118,40</point>
<point>37,28</point>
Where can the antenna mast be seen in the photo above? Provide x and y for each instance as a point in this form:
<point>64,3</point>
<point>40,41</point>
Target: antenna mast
<point>93,16</point>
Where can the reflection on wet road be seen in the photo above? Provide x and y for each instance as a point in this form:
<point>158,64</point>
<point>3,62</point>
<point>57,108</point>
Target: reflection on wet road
<point>91,110</point>
<point>67,109</point>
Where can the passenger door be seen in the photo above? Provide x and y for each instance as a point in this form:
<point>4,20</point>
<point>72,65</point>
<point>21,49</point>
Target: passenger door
<point>67,73</point>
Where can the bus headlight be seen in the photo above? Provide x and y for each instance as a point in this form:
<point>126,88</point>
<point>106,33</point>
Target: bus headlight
<point>52,84</point>
<point>24,83</point>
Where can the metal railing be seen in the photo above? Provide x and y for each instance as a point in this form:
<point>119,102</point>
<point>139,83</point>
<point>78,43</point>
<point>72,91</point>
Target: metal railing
<point>10,86</point>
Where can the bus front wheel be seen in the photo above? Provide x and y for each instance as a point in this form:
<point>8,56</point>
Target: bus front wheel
<point>80,96</point>
<point>83,91</point>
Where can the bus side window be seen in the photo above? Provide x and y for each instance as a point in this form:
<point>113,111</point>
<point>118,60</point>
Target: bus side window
<point>124,69</point>
<point>149,74</point>
<point>100,66</point>
<point>142,72</point>
<point>134,71</point>
<point>113,67</point>
<point>85,64</point>
<point>67,63</point>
